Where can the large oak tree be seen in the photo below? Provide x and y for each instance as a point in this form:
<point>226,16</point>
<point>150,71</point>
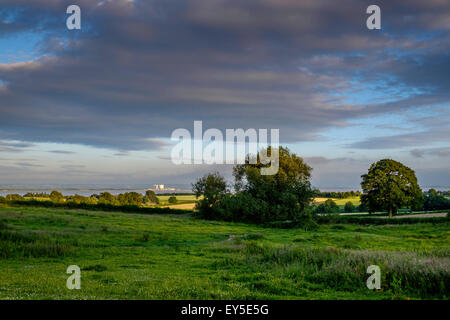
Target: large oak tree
<point>389,185</point>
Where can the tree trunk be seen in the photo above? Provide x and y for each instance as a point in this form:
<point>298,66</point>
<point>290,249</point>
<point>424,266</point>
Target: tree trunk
<point>390,213</point>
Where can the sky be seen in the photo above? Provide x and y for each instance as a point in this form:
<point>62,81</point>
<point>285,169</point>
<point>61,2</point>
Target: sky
<point>98,105</point>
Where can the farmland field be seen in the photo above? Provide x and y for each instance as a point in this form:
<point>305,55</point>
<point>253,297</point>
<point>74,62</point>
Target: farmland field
<point>143,256</point>
<point>184,202</point>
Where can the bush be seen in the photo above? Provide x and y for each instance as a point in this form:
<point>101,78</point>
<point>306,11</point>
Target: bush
<point>329,206</point>
<point>349,207</point>
<point>130,198</point>
<point>13,197</point>
<point>150,197</point>
<point>172,200</point>
<point>435,201</point>
<point>56,196</point>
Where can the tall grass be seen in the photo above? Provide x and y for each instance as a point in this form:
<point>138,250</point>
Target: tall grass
<point>424,275</point>
<point>25,244</point>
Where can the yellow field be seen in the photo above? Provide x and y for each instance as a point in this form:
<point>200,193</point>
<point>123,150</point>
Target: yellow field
<point>340,202</point>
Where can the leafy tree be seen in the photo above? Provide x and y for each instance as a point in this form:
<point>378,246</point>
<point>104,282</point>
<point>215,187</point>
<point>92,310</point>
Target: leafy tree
<point>13,197</point>
<point>258,198</point>
<point>389,185</point>
<point>212,187</point>
<point>435,201</point>
<point>288,188</point>
<point>349,207</point>
<point>77,199</point>
<point>329,206</point>
<point>130,198</point>
<point>107,198</point>
<point>150,197</point>
<point>172,200</point>
<point>56,196</point>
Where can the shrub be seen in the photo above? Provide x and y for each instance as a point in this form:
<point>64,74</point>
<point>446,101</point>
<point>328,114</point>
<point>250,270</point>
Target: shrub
<point>13,197</point>
<point>435,201</point>
<point>56,196</point>
<point>172,200</point>
<point>349,207</point>
<point>150,197</point>
<point>329,206</point>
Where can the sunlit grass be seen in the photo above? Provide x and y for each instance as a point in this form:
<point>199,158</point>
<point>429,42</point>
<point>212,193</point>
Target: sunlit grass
<point>136,256</point>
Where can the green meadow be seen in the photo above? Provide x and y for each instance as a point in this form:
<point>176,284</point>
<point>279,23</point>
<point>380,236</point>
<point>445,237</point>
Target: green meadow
<point>177,256</point>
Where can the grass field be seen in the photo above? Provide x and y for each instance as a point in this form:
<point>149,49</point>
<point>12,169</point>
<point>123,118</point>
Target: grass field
<point>137,256</point>
<point>340,202</point>
<point>184,202</point>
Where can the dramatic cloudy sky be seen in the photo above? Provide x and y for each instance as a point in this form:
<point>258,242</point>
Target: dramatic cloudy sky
<point>98,105</point>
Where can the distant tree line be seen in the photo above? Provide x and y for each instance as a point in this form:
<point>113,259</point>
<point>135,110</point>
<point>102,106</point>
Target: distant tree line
<point>37,195</point>
<point>123,199</point>
<point>338,195</point>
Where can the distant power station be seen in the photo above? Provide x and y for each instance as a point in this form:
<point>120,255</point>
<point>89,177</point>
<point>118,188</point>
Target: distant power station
<point>161,187</point>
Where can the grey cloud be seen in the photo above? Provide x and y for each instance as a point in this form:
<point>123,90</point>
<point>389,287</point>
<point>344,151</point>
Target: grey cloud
<point>27,164</point>
<point>439,152</point>
<point>437,129</point>
<point>141,69</point>
<point>62,152</point>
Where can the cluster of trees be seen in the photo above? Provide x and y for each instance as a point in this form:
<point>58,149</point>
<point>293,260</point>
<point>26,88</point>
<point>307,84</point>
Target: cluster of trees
<point>36,195</point>
<point>123,199</point>
<point>257,198</point>
<point>435,200</point>
<point>287,195</point>
<point>329,206</point>
<point>338,195</point>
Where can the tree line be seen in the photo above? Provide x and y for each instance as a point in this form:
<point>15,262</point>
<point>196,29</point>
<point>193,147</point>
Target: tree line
<point>122,199</point>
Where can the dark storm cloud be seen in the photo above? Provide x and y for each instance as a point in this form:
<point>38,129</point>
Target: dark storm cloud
<point>140,69</point>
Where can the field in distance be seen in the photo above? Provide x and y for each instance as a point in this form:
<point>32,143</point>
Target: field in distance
<point>143,256</point>
<point>187,202</point>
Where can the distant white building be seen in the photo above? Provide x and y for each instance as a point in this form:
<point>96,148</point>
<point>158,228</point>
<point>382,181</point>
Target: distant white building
<point>159,187</point>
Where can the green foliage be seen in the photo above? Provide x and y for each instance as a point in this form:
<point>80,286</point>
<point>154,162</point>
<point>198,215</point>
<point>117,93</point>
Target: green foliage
<point>389,185</point>
<point>36,195</point>
<point>130,198</point>
<point>77,199</point>
<point>29,244</point>
<point>56,196</point>
<point>186,258</point>
<point>349,207</point>
<point>259,198</point>
<point>435,201</point>
<point>150,197</point>
<point>212,187</point>
<point>107,198</point>
<point>338,195</point>
<point>329,206</point>
<point>13,197</point>
<point>172,200</point>
<point>97,206</point>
